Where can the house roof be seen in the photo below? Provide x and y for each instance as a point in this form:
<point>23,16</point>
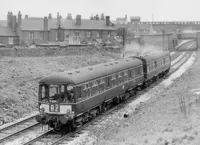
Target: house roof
<point>5,31</point>
<point>121,19</point>
<point>135,17</point>
<point>3,23</point>
<point>37,24</point>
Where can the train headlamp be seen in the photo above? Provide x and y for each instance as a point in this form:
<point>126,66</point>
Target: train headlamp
<point>42,110</point>
<point>70,114</point>
<point>68,111</point>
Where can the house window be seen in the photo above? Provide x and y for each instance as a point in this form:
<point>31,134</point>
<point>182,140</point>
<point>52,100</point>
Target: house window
<point>31,35</point>
<point>88,34</point>
<point>41,34</point>
<point>76,33</point>
<point>10,40</point>
<point>98,35</point>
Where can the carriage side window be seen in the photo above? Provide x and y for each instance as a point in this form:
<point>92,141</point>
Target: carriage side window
<point>108,82</point>
<point>113,80</point>
<point>101,85</point>
<point>125,76</point>
<point>89,89</point>
<point>129,74</point>
<point>122,78</point>
<point>78,93</point>
<point>119,80</point>
<point>155,64</point>
<point>94,87</point>
<point>102,81</point>
<point>113,77</point>
<point>133,73</point>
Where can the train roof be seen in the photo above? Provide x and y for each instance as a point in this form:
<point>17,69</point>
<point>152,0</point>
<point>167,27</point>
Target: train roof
<point>155,55</point>
<point>81,75</point>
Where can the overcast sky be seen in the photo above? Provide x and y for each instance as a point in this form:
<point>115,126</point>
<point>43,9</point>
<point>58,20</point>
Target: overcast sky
<point>163,10</point>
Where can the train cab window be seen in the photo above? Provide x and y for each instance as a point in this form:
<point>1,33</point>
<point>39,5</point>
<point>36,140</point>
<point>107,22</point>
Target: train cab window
<point>43,92</point>
<point>61,93</point>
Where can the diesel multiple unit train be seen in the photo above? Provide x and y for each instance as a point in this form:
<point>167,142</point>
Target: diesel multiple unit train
<point>71,98</point>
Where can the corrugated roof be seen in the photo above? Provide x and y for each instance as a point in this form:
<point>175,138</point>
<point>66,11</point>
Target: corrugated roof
<point>5,31</point>
<point>37,24</point>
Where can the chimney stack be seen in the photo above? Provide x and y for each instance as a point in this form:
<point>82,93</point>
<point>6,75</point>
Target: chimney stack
<point>9,19</point>
<point>19,18</point>
<point>14,23</point>
<point>102,16</point>
<point>58,19</point>
<point>78,19</point>
<point>69,16</point>
<point>45,27</point>
<point>50,16</point>
<point>126,17</point>
<point>107,20</point>
<point>26,16</point>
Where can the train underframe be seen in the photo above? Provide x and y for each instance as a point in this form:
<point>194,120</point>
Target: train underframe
<point>65,124</point>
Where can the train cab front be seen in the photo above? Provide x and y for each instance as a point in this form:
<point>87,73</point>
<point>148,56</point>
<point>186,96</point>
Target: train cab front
<point>56,105</point>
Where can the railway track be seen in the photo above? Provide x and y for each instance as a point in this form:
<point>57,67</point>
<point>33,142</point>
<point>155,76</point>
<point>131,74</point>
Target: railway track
<point>53,138</point>
<point>59,139</point>
<point>17,128</point>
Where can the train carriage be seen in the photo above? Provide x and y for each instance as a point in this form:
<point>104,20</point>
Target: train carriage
<point>156,65</point>
<point>71,98</point>
<point>87,91</point>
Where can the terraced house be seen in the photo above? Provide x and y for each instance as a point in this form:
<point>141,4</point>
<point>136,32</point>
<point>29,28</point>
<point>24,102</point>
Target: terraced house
<point>45,30</point>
